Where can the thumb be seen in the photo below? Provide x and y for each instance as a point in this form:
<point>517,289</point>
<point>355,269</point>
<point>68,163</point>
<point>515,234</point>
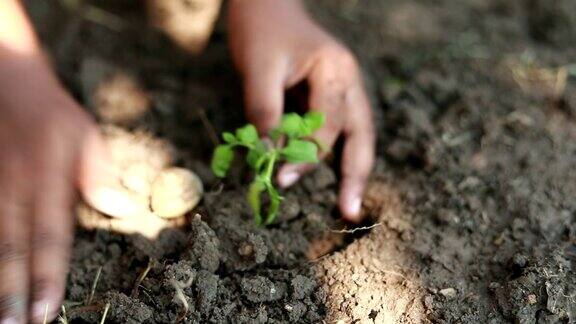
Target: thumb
<point>98,182</point>
<point>264,94</point>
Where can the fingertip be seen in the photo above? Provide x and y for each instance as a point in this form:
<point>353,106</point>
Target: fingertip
<point>10,320</point>
<point>350,207</point>
<point>290,173</point>
<point>287,178</point>
<point>350,199</point>
<point>44,311</point>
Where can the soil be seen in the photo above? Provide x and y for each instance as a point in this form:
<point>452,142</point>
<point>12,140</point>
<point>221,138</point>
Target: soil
<point>472,200</point>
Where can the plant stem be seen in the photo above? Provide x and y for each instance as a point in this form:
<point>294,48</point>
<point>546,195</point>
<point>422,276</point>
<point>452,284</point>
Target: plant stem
<point>270,166</point>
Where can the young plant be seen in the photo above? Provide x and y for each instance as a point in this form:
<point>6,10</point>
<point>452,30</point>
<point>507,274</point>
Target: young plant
<point>291,142</point>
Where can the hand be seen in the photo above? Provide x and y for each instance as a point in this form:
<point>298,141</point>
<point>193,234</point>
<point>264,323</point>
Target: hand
<point>275,46</point>
<point>49,145</point>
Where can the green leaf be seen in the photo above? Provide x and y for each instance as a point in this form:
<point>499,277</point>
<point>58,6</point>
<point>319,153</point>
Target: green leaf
<point>275,200</point>
<point>300,151</point>
<point>312,122</point>
<point>275,134</point>
<point>247,135</point>
<point>229,137</point>
<point>221,160</point>
<point>256,188</point>
<point>291,125</point>
<point>255,156</point>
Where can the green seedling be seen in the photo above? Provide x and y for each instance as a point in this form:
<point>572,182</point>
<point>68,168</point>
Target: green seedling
<point>291,142</point>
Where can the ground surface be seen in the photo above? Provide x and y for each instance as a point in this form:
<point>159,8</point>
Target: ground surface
<point>473,195</point>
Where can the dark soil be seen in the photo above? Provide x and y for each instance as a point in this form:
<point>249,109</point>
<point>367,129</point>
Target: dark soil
<point>228,270</point>
<point>473,195</point>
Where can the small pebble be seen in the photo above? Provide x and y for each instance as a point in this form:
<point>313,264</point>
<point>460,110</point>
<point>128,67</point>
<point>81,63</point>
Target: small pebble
<point>494,285</point>
<point>448,292</point>
<point>532,299</point>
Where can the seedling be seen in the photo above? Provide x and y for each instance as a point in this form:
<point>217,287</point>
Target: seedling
<point>291,142</point>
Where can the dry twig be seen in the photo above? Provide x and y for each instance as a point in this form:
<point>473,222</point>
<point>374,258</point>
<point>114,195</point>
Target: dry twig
<point>106,308</point>
<point>179,287</point>
<point>94,285</point>
<point>141,278</point>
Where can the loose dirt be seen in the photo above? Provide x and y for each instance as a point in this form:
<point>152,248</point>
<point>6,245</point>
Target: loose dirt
<point>472,198</point>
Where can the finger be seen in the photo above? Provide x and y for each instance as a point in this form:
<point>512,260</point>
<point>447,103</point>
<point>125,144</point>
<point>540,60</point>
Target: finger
<point>358,154</point>
<point>52,233</point>
<point>99,184</point>
<point>264,84</point>
<point>14,211</point>
<point>327,95</point>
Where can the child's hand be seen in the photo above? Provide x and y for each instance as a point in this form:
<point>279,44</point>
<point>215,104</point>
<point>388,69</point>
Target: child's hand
<point>275,46</point>
<point>49,147</point>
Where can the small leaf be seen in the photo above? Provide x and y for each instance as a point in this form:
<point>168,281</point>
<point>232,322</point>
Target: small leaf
<point>312,122</point>
<point>255,155</point>
<point>221,160</point>
<point>299,151</point>
<point>254,191</point>
<point>275,134</point>
<point>291,125</point>
<point>247,135</point>
<point>229,137</point>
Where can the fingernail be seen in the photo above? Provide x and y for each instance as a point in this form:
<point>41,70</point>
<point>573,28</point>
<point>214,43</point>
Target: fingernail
<point>287,179</point>
<point>11,320</point>
<point>353,208</point>
<point>40,310</point>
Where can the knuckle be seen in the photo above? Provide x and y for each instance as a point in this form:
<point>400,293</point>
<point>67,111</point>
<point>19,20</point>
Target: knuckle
<point>358,175</point>
<point>11,252</point>
<point>338,69</point>
<point>11,204</point>
<point>11,304</point>
<point>40,286</point>
<point>333,124</point>
<point>348,60</point>
<point>44,239</point>
<point>341,56</point>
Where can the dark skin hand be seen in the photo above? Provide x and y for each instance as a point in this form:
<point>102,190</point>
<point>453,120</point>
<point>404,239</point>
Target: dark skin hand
<point>276,45</point>
<point>42,150</point>
<point>50,149</point>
